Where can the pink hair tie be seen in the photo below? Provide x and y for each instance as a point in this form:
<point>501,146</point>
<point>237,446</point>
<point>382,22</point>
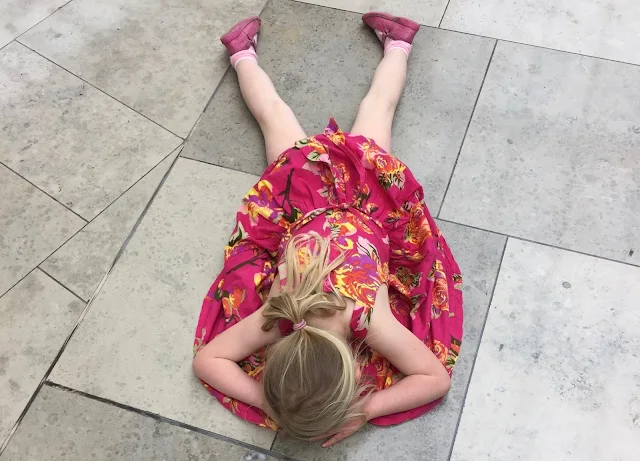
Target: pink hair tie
<point>300,325</point>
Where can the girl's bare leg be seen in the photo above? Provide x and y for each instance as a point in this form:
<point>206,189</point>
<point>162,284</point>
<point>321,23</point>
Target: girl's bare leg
<point>279,125</point>
<point>378,107</point>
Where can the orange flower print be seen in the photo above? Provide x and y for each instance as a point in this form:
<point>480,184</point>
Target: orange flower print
<point>394,216</point>
<point>440,351</point>
<point>337,137</point>
<point>390,169</point>
<point>269,423</point>
<point>457,280</point>
<point>452,356</point>
<point>282,160</point>
<point>259,201</point>
<point>231,302</point>
<point>407,278</point>
<point>436,269</point>
<point>328,189</point>
<point>354,276</point>
<point>366,248</point>
<point>231,404</point>
<point>369,151</point>
<point>441,294</point>
<point>383,372</point>
<point>318,152</point>
<point>363,196</point>
<point>342,175</point>
<point>418,229</point>
<point>399,286</point>
<point>199,341</point>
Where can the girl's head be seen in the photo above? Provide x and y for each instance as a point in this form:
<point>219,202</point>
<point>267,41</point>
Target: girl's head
<point>310,379</point>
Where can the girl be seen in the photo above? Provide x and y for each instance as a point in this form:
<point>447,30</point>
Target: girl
<point>339,302</point>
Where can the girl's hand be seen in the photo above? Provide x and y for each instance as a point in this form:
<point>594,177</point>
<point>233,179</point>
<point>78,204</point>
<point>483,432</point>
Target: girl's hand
<point>349,428</point>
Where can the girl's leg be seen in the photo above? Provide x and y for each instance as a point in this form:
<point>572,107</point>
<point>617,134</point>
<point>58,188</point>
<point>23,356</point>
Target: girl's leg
<point>277,121</point>
<point>378,107</point>
<point>279,125</point>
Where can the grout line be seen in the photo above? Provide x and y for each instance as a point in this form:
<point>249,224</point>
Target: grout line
<point>15,39</point>
<point>42,381</point>
<point>540,47</point>
<point>439,27</point>
<point>27,274</point>
<point>44,192</point>
<point>217,87</point>
<point>132,232</point>
<point>83,227</point>
<point>179,147</point>
<point>220,166</point>
<point>550,245</point>
<point>464,137</point>
<point>166,420</point>
<point>206,106</point>
<point>88,305</point>
<point>473,365</point>
<point>47,257</point>
<point>100,90</point>
<point>444,13</point>
<point>60,283</point>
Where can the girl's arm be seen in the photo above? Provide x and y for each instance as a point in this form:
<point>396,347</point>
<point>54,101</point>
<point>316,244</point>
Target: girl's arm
<point>425,379</point>
<point>216,364</point>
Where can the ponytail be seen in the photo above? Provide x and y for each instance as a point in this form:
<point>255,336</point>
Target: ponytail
<point>310,375</point>
<point>307,259</point>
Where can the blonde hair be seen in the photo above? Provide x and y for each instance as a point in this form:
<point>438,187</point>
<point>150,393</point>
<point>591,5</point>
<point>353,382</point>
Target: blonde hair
<point>309,379</point>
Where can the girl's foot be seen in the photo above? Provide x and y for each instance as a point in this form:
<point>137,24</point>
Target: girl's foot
<point>394,32</point>
<point>242,39</point>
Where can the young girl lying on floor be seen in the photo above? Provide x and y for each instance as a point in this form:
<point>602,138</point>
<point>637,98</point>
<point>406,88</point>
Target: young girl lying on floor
<point>339,302</point>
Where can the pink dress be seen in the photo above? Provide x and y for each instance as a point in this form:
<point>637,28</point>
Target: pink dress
<point>370,205</point>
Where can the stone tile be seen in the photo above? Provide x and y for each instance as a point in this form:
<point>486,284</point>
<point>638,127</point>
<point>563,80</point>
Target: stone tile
<point>166,68</point>
<point>71,140</point>
<point>81,263</point>
<point>37,316</point>
<point>33,226</point>
<point>321,61</point>
<point>428,12</point>
<point>135,344</point>
<point>557,372</point>
<point>551,153</point>
<point>602,28</point>
<point>63,425</point>
<point>18,16</point>
<point>429,437</point>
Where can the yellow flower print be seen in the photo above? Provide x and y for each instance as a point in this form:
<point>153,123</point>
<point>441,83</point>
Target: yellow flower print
<point>440,351</point>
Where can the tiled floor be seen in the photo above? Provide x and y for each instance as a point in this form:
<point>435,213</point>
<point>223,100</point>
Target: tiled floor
<point>125,147</point>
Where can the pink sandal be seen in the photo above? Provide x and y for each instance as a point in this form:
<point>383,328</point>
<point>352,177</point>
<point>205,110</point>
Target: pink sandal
<point>394,27</point>
<point>241,36</point>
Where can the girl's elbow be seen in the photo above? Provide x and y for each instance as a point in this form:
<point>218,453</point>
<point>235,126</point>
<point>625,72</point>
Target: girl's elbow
<point>198,365</point>
<point>444,384</point>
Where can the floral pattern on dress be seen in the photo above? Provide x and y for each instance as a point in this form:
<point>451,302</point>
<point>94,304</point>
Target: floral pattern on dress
<point>347,188</point>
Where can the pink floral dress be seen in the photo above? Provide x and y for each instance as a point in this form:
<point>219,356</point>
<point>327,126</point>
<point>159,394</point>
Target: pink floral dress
<point>370,205</point>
